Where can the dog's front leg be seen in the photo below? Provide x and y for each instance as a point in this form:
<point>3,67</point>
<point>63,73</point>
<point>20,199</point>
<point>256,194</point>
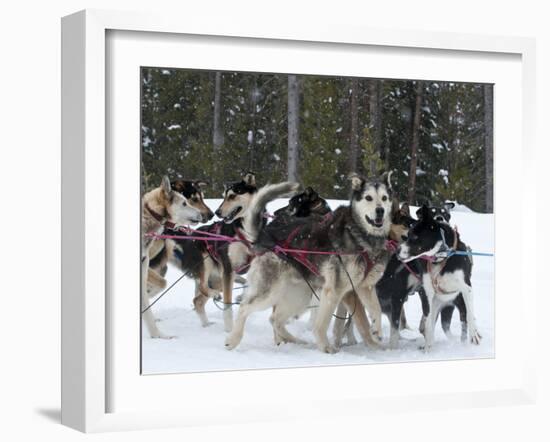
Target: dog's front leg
<point>199,302</point>
<point>397,301</point>
<point>203,291</point>
<point>432,314</point>
<point>147,315</point>
<point>425,309</point>
<point>459,302</point>
<point>360,318</point>
<point>228,277</point>
<point>372,304</point>
<point>329,301</point>
<point>467,294</point>
<point>339,327</point>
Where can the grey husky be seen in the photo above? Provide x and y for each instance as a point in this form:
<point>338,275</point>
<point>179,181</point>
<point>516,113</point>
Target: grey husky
<point>285,281</point>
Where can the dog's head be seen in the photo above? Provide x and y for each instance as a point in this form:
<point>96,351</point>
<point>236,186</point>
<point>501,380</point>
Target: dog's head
<point>236,198</point>
<point>401,221</point>
<point>194,198</point>
<point>371,203</point>
<point>425,237</point>
<point>441,214</point>
<point>173,205</point>
<point>304,204</point>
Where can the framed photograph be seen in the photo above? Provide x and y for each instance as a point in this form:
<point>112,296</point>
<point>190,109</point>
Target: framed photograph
<point>252,211</point>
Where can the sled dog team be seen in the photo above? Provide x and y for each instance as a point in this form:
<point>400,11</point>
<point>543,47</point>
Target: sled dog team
<point>355,263</point>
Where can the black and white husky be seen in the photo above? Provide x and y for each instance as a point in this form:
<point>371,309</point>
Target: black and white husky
<point>215,263</point>
<point>444,276</point>
<point>403,280</point>
<point>281,280</point>
<point>442,214</point>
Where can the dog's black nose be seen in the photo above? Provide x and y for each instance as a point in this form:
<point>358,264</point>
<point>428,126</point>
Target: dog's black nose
<point>379,212</point>
<point>210,215</point>
<point>218,213</point>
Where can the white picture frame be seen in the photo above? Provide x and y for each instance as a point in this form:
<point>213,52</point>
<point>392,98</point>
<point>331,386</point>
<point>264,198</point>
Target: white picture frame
<point>86,353</point>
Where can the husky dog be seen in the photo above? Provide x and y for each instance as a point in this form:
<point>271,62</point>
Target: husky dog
<point>302,205</point>
<point>162,207</point>
<point>443,277</point>
<point>213,263</point>
<point>358,231</point>
<point>442,214</point>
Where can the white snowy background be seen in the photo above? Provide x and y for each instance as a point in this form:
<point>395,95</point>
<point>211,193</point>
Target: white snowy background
<point>196,348</point>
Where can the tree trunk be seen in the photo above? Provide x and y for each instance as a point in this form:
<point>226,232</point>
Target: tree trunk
<point>488,142</point>
<point>354,162</point>
<point>218,138</point>
<point>217,131</point>
<point>415,141</point>
<point>375,122</point>
<point>293,127</point>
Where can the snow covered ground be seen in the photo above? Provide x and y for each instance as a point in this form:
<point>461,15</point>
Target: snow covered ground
<point>202,349</point>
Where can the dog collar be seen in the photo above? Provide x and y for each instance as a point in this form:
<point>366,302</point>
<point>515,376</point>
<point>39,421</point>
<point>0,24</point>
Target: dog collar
<point>161,219</point>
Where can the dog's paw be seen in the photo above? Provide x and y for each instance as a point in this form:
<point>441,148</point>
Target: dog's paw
<point>207,323</point>
<point>475,338</point>
<point>330,349</point>
<point>230,345</point>
<point>377,336</point>
<point>231,342</point>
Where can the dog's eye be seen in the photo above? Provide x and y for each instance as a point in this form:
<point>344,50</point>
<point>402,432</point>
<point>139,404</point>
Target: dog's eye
<point>231,197</point>
<point>184,204</point>
<point>384,198</point>
<point>368,198</point>
<point>404,237</point>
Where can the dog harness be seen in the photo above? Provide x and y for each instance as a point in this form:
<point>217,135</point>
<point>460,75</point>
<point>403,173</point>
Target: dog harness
<point>436,278</point>
<point>213,247</point>
<point>302,255</point>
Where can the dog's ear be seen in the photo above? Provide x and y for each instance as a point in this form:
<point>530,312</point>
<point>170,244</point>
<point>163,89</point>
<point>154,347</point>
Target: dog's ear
<point>449,205</point>
<point>177,185</point>
<point>424,213</point>
<point>357,182</point>
<point>386,179</point>
<point>166,186</point>
<point>419,210</point>
<point>311,194</point>
<point>405,210</point>
<point>250,179</point>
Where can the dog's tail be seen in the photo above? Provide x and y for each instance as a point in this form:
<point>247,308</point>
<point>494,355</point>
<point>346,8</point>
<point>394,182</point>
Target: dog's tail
<point>254,222</point>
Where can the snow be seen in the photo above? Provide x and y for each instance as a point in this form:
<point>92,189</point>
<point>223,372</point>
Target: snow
<point>461,207</point>
<point>202,349</point>
<point>174,127</point>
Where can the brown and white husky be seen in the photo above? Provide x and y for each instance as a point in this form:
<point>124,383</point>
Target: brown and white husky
<point>163,207</point>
